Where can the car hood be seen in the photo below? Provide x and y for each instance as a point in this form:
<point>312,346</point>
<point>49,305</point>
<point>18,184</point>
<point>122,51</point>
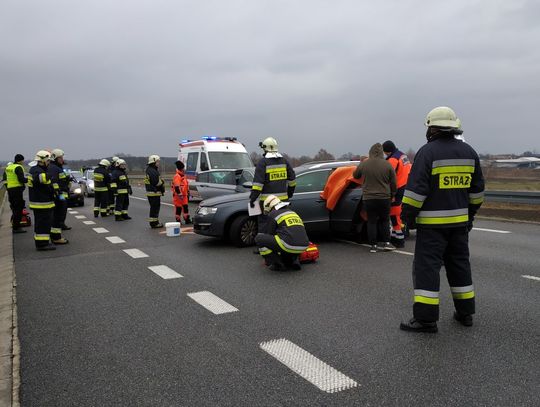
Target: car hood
<point>219,200</point>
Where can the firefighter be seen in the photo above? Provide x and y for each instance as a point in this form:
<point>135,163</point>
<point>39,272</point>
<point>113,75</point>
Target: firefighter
<point>155,189</point>
<point>180,192</point>
<point>111,196</point>
<point>60,182</point>
<point>122,191</point>
<point>285,237</point>
<point>102,181</point>
<point>444,191</point>
<point>273,176</point>
<point>402,166</point>
<point>15,184</point>
<point>41,196</point>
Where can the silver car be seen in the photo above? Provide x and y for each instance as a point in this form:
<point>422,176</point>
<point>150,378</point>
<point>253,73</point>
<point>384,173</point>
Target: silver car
<point>212,183</point>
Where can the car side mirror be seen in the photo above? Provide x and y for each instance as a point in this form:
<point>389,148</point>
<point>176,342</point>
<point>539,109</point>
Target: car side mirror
<point>247,184</point>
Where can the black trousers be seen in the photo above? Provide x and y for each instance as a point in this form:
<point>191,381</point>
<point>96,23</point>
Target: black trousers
<point>16,202</point>
<point>178,212</point>
<point>42,226</point>
<point>59,217</point>
<point>122,204</point>
<point>155,205</point>
<point>101,202</point>
<point>271,252</point>
<point>378,225</point>
<point>110,198</point>
<point>434,248</point>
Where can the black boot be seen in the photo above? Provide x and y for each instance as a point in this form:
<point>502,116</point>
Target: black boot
<point>48,247</point>
<point>416,326</point>
<point>66,227</point>
<point>465,320</point>
<point>126,216</point>
<point>118,218</point>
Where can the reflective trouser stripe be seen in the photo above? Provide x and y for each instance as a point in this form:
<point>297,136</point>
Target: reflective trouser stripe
<point>124,212</point>
<point>41,236</point>
<point>462,293</point>
<point>264,251</point>
<point>153,219</point>
<point>153,194</point>
<point>100,189</point>
<point>122,191</point>
<point>426,300</point>
<point>41,205</point>
<point>289,248</point>
<point>118,213</point>
<point>56,230</point>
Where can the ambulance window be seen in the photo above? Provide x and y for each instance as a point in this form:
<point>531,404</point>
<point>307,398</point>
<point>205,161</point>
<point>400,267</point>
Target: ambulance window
<point>192,159</point>
<point>312,181</point>
<point>204,162</point>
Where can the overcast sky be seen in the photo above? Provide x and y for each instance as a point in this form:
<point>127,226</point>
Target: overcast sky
<point>99,77</point>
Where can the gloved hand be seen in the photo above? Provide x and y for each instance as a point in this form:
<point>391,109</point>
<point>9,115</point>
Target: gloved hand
<point>61,197</point>
<point>130,190</point>
<point>252,204</point>
<point>469,225</point>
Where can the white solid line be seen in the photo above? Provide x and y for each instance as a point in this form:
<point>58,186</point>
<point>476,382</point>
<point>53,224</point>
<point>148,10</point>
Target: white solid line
<point>492,230</point>
<point>135,253</point>
<point>532,278</point>
<point>89,222</point>
<point>115,239</point>
<point>212,302</point>
<point>73,212</point>
<point>309,367</point>
<point>144,199</point>
<point>165,272</point>
<point>80,217</point>
<point>101,230</point>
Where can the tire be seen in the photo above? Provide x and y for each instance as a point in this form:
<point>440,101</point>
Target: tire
<point>243,230</point>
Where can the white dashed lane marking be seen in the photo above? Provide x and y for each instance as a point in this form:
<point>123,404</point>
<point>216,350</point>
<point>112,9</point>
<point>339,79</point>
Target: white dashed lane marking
<point>491,230</point>
<point>165,272</point>
<point>89,222</point>
<point>531,278</point>
<point>101,230</point>
<point>135,253</point>
<point>212,302</point>
<point>309,367</point>
<point>73,212</point>
<point>115,239</point>
<point>80,217</point>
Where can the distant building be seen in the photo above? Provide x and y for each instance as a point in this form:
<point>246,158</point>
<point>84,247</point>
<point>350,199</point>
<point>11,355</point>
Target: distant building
<point>522,162</point>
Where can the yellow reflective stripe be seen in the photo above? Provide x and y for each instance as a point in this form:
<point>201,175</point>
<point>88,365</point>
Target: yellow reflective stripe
<point>100,189</point>
<point>42,237</point>
<point>476,201</point>
<point>412,202</point>
<point>292,183</point>
<point>56,186</point>
<point>291,220</point>
<point>43,179</point>
<point>56,230</point>
<point>41,205</point>
<point>426,300</point>
<point>289,249</point>
<point>276,168</point>
<point>153,194</point>
<point>113,185</point>
<point>463,296</point>
<point>122,177</point>
<point>452,168</point>
<point>256,187</point>
<point>442,221</point>
<point>122,191</point>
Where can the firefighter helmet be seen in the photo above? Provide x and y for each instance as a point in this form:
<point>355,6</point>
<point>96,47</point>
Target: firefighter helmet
<point>115,159</point>
<point>269,145</point>
<point>120,162</point>
<point>105,162</point>
<point>270,202</point>
<point>56,153</point>
<point>443,116</point>
<point>42,156</point>
<point>153,159</point>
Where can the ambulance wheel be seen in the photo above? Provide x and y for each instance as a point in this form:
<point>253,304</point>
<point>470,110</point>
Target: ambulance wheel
<point>243,230</point>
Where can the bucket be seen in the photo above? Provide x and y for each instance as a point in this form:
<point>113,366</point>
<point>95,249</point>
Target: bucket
<point>173,229</point>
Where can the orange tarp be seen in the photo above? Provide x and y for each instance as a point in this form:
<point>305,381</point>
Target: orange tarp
<point>337,183</point>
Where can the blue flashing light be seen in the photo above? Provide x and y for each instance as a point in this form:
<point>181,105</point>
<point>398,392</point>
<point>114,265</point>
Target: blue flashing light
<point>185,141</point>
<point>210,138</point>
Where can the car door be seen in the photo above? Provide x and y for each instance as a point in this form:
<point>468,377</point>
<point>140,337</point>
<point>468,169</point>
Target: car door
<point>220,182</point>
<point>307,201</point>
<point>346,214</point>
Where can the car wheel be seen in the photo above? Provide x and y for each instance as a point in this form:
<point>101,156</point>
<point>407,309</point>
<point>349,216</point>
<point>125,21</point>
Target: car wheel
<point>243,230</point>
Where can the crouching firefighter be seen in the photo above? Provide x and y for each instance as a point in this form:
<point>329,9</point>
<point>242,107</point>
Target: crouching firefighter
<point>285,237</point>
<point>180,192</point>
<point>123,190</point>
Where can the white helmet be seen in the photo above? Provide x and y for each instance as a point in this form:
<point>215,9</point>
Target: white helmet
<point>269,145</point>
<point>56,153</point>
<point>42,156</point>
<point>105,162</point>
<point>443,116</point>
<point>270,202</point>
<point>115,159</point>
<point>153,159</point>
<point>120,162</point>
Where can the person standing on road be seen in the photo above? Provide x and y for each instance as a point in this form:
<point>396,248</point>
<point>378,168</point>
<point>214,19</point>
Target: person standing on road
<point>180,192</point>
<point>402,166</point>
<point>155,189</point>
<point>111,188</point>
<point>41,195</point>
<point>443,194</point>
<point>15,184</point>
<point>379,187</point>
<point>273,176</point>
<point>60,182</point>
<point>123,190</point>
<point>102,182</point>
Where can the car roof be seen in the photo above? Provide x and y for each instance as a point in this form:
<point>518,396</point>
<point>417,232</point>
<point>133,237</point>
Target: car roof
<point>316,165</point>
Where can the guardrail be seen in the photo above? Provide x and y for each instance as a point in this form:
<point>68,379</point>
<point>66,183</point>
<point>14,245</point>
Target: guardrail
<point>521,197</point>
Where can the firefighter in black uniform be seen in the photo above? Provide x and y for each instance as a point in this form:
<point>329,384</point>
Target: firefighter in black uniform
<point>15,184</point>
<point>285,237</point>
<point>112,197</point>
<point>102,181</point>
<point>443,193</point>
<point>273,176</point>
<point>41,196</point>
<point>155,189</point>
<point>60,182</point>
<point>123,190</point>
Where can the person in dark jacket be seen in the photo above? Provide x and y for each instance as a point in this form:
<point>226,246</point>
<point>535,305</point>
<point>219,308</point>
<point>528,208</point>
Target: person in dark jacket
<point>112,188</point>
<point>155,189</point>
<point>102,183</point>
<point>15,184</point>
<point>285,237</point>
<point>379,188</point>
<point>60,182</point>
<point>122,191</point>
<point>444,191</point>
<point>41,200</point>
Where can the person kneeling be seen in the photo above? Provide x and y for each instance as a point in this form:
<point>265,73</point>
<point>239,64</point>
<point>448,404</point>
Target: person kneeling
<point>285,237</point>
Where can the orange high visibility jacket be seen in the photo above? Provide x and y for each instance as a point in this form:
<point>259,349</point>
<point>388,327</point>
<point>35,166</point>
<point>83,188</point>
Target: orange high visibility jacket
<point>180,189</point>
<point>402,166</point>
<point>337,183</point>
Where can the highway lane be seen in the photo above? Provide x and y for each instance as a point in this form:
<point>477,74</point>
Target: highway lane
<point>98,327</point>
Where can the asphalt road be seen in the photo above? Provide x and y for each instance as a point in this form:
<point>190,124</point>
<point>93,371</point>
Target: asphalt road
<point>99,328</point>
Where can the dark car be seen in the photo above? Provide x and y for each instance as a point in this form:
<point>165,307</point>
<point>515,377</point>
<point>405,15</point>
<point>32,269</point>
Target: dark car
<point>76,189</point>
<point>212,183</point>
<point>227,216</point>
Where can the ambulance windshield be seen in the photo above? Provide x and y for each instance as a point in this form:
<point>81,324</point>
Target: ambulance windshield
<point>225,159</point>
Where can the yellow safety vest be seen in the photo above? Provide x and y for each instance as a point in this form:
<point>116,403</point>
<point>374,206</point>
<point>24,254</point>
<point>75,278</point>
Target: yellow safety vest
<point>12,179</point>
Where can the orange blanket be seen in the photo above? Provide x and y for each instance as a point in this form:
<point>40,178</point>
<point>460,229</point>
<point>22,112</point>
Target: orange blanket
<point>337,183</point>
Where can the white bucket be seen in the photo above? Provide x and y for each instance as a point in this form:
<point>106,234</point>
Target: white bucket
<point>173,229</point>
